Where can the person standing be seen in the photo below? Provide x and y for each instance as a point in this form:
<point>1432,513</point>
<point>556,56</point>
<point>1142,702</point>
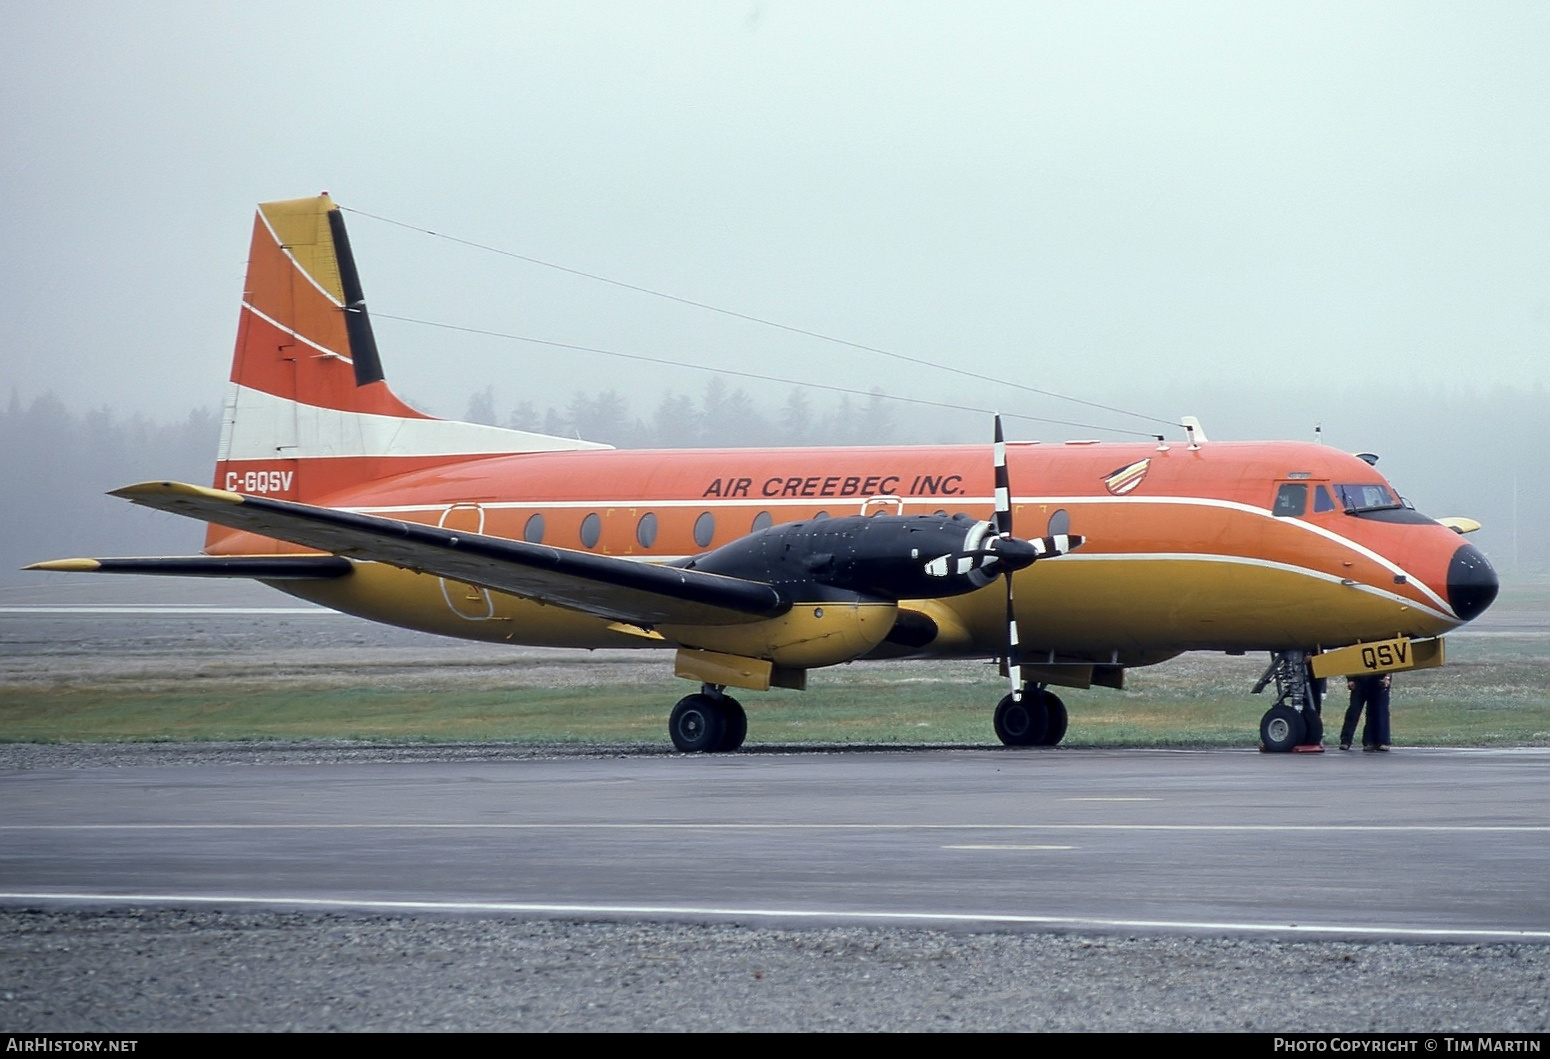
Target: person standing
<point>1371,693</point>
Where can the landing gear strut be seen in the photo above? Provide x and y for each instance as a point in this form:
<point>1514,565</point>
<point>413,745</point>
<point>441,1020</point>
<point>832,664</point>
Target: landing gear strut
<point>1294,720</point>
<point>1039,719</point>
<point>708,722</point>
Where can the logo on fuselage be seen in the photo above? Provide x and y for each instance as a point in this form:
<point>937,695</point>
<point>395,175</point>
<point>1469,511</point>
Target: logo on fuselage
<point>1126,478</point>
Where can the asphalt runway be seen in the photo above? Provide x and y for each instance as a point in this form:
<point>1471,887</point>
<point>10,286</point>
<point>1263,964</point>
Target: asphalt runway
<point>330,886</point>
<point>1410,845</point>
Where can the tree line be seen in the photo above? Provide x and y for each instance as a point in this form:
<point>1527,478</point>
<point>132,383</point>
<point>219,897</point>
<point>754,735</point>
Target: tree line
<point>1451,451</point>
<point>720,416</point>
<point>58,463</point>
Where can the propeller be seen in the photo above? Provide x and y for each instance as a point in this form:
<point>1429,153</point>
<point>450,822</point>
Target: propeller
<point>1015,553</point>
<point>990,550</point>
<point>1003,523</point>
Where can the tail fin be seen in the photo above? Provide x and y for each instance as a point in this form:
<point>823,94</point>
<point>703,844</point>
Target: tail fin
<point>308,412</point>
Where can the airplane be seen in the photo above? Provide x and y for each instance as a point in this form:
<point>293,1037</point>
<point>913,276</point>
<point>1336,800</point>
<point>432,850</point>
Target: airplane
<point>755,566</point>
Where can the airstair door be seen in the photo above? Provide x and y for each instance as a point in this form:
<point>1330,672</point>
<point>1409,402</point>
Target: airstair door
<point>465,600</point>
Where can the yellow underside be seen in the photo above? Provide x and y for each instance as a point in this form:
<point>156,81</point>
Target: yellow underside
<point>1127,612</point>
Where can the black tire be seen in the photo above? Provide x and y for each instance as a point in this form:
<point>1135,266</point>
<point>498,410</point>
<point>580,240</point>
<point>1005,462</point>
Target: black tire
<point>1021,723</point>
<point>697,725</point>
<point>1281,729</point>
<point>736,724</point>
<point>1312,727</point>
<point>1056,720</point>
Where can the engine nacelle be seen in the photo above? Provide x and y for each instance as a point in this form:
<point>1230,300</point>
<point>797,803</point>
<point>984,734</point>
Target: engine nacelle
<point>879,557</point>
<point>808,636</point>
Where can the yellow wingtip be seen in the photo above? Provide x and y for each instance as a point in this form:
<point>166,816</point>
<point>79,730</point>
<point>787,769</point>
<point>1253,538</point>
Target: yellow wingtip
<point>1460,524</point>
<point>67,566</point>
<point>149,490</point>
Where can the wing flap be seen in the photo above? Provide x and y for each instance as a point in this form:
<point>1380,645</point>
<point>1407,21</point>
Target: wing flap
<point>637,593</point>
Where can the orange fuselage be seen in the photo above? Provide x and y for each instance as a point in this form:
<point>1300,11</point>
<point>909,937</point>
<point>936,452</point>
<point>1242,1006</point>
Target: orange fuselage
<point>1185,548</point>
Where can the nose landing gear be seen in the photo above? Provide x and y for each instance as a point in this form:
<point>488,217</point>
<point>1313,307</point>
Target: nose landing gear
<point>1294,721</point>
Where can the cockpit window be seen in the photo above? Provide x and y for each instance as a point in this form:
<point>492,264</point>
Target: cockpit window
<point>1291,500</point>
<point>1322,501</point>
<point>1377,503</point>
<point>1365,497</point>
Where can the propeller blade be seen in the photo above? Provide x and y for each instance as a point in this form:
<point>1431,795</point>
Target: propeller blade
<point>1014,667</point>
<point>1013,555</point>
<point>1003,520</point>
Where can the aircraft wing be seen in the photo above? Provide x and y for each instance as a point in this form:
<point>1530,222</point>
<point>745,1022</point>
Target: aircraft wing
<point>257,567</point>
<point>637,593</point>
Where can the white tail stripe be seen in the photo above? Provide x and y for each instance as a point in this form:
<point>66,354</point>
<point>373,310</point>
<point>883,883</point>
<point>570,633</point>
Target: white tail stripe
<point>255,420</point>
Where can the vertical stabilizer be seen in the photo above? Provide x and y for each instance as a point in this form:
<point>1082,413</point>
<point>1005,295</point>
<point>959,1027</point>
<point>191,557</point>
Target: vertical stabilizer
<point>308,411</point>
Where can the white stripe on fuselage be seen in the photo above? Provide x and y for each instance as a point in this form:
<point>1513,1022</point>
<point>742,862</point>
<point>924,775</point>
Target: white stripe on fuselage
<point>935,502</point>
<point>1267,564</point>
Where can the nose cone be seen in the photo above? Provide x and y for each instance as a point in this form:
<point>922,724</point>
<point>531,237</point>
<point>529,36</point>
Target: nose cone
<point>1472,583</point>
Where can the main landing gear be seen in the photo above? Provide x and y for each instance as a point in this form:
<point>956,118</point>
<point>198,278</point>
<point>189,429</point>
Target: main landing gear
<point>1294,720</point>
<point>714,721</point>
<point>708,722</point>
<point>1038,719</point>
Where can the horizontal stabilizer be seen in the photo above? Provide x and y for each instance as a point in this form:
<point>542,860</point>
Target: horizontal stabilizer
<point>257,567</point>
<point>619,589</point>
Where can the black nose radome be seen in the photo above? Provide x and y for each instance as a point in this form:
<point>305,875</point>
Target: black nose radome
<point>1472,583</point>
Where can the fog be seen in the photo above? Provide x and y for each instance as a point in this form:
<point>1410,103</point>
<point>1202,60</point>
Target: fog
<point>1463,452</point>
<point>1272,217</point>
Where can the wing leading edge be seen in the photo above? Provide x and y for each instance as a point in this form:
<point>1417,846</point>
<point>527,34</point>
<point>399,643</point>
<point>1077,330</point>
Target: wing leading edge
<point>637,593</point>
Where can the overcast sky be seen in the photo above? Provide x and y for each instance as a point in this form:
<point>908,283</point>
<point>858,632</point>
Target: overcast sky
<point>1114,201</point>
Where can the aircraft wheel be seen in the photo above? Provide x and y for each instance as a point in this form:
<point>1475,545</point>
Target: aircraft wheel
<point>698,724</point>
<point>736,724</point>
<point>1056,720</point>
<point>1312,727</point>
<point>1021,723</point>
<point>1281,729</point>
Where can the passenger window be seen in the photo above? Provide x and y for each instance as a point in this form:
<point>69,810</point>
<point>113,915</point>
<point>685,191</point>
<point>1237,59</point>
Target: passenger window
<point>1322,501</point>
<point>1059,522</point>
<point>646,530</point>
<point>762,521</point>
<point>705,529</point>
<point>1291,500</point>
<point>533,532</point>
<point>591,530</point>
